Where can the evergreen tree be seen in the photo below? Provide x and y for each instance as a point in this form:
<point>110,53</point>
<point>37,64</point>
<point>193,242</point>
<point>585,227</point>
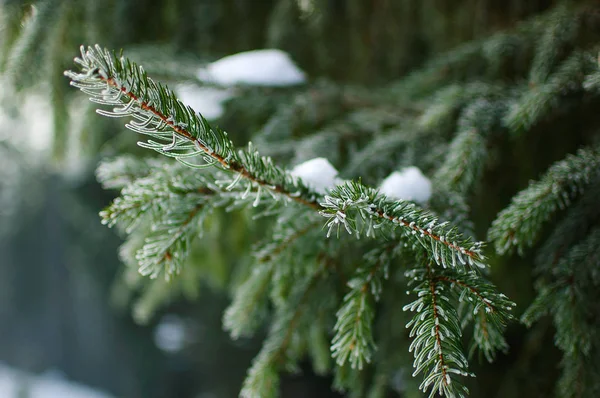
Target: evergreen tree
<point>504,124</point>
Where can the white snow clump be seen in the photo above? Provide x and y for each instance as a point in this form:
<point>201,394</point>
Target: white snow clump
<point>317,174</point>
<point>206,100</point>
<point>408,184</point>
<point>268,67</point>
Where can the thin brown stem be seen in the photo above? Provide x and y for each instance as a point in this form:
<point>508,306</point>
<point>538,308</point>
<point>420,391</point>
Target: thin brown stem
<point>420,230</point>
<point>233,166</point>
<point>239,168</point>
<point>484,325</point>
<point>471,288</point>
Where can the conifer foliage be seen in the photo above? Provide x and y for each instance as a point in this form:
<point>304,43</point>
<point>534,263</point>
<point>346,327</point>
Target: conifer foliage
<point>241,177</point>
<point>321,277</point>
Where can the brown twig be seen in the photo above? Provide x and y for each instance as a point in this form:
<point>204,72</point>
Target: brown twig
<point>233,166</point>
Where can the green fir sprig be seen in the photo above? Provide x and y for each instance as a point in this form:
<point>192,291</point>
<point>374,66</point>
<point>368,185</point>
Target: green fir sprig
<point>213,174</point>
<point>520,224</point>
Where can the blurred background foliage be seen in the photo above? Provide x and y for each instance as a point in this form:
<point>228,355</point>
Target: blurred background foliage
<point>65,300</point>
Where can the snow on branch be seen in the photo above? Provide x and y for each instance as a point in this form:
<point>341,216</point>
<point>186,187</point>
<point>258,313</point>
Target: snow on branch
<point>176,130</point>
<point>363,210</point>
<point>408,184</point>
<point>171,202</point>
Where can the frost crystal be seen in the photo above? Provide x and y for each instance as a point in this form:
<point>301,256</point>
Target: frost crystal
<point>408,184</point>
<point>268,67</point>
<point>317,174</point>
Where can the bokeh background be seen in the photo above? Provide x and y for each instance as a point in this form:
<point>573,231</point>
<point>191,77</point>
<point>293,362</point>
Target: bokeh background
<point>67,311</point>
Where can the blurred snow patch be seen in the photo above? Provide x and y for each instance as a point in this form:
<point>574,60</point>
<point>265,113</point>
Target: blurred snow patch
<point>170,334</point>
<point>208,101</point>
<point>317,174</point>
<point>30,125</point>
<point>16,384</point>
<point>408,184</point>
<point>269,67</point>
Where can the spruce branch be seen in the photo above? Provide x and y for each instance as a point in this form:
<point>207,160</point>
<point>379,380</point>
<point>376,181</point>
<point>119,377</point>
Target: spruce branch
<point>476,58</point>
<point>362,210</point>
<point>520,224</point>
<point>445,67</point>
<point>162,213</point>
<point>579,378</point>
<point>562,28</point>
<point>539,101</point>
<point>263,376</point>
<point>292,248</point>
<point>116,81</point>
<point>318,344</point>
<point>249,305</point>
<point>379,153</point>
<point>176,201</point>
<point>248,308</point>
<point>481,304</point>
<point>572,285</point>
<point>353,340</point>
<point>176,130</point>
<point>452,206</point>
<point>581,216</point>
<point>292,227</point>
<point>569,294</point>
<point>468,150</point>
<point>124,170</point>
<point>436,332</point>
<point>592,81</point>
<point>446,102</point>
<point>167,248</point>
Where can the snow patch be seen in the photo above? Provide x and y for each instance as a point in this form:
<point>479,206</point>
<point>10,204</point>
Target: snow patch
<point>269,67</point>
<point>16,383</point>
<point>208,101</point>
<point>33,120</point>
<point>408,184</point>
<point>317,174</point>
<point>170,334</point>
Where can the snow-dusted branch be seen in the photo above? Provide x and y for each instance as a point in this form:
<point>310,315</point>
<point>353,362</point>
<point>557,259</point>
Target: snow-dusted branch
<point>176,129</point>
<point>363,210</point>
